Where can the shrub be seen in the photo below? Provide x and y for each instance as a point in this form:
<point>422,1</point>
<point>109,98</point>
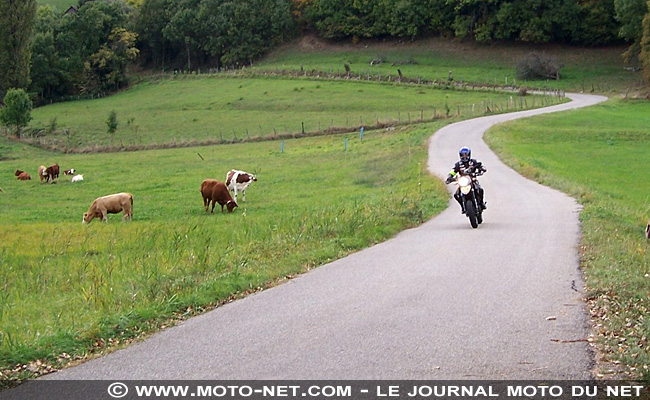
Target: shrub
<point>111,122</point>
<point>538,66</point>
<point>17,111</point>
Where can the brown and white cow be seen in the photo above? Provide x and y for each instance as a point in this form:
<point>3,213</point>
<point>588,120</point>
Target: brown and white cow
<point>41,173</point>
<point>111,204</point>
<point>216,192</point>
<point>70,171</point>
<point>52,172</point>
<point>238,181</point>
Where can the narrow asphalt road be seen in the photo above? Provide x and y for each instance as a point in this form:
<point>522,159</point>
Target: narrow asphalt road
<point>441,301</point>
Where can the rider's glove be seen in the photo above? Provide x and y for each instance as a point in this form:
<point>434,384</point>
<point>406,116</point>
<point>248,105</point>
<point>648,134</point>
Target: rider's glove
<point>449,179</point>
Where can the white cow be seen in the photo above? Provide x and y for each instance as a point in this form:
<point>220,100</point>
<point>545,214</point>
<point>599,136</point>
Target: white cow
<point>238,181</point>
<point>77,178</point>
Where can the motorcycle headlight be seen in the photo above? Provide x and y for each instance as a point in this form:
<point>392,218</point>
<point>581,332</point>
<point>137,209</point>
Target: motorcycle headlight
<point>464,181</point>
<point>465,184</point>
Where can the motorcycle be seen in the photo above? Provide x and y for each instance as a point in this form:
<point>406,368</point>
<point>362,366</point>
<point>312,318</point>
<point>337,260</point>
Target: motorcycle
<point>469,195</point>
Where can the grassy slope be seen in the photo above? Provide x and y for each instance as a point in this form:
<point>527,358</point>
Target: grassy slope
<point>218,106</point>
<point>583,68</point>
<point>597,155</point>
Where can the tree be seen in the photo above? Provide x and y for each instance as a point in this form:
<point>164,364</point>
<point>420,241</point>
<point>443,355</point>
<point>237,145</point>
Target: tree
<point>182,28</point>
<point>49,77</point>
<point>238,32</point>
<point>152,18</point>
<point>17,111</point>
<point>16,25</point>
<point>597,22</point>
<point>644,56</point>
<point>630,13</point>
<point>107,66</point>
<point>83,34</point>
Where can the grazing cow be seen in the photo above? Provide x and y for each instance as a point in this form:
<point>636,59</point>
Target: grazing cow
<point>77,178</point>
<point>238,181</point>
<point>216,192</point>
<point>111,204</point>
<point>70,171</point>
<point>23,176</point>
<point>52,172</point>
<point>41,172</point>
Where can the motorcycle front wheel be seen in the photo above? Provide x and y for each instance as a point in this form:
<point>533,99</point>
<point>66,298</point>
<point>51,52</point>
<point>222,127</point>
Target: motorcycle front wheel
<point>471,213</point>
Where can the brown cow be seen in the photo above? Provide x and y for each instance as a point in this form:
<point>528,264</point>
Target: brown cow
<point>111,204</point>
<point>23,176</point>
<point>216,192</point>
<point>52,172</point>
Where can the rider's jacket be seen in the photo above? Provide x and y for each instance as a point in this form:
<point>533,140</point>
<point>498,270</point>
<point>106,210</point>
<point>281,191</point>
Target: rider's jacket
<point>459,166</point>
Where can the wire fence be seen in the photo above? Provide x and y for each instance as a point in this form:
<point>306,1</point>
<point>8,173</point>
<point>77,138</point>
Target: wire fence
<point>66,141</point>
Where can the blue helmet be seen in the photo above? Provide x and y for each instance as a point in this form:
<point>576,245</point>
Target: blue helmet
<point>465,154</point>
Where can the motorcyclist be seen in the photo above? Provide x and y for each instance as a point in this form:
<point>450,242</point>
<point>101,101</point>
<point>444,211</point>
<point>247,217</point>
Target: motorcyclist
<point>469,165</point>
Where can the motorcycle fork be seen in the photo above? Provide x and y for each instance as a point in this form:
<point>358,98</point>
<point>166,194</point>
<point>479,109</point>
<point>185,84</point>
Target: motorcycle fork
<point>475,200</point>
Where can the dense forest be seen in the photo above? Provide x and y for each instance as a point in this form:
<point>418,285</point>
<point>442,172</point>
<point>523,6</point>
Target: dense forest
<point>55,53</point>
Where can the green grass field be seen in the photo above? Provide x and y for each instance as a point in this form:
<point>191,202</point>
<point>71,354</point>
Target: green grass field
<point>220,108</point>
<point>584,69</point>
<point>597,156</point>
<point>68,286</point>
<point>60,5</point>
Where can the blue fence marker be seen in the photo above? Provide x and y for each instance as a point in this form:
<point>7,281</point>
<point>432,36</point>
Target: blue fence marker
<point>282,146</point>
<point>361,133</point>
<point>346,143</point>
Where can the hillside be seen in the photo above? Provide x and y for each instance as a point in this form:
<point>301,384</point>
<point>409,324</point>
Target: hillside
<point>597,69</point>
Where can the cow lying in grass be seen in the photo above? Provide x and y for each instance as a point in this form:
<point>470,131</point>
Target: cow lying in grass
<point>22,175</point>
<point>111,204</point>
<point>216,192</point>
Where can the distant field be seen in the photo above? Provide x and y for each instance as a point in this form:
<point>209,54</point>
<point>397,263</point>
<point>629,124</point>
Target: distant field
<point>61,5</point>
<point>216,107</point>
<point>600,69</point>
<point>596,155</point>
